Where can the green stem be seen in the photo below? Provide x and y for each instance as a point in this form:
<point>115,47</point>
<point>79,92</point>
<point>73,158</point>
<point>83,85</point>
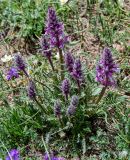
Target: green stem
<point>40,106</point>
<point>60,120</point>
<point>61,63</point>
<point>43,84</point>
<point>78,85</point>
<point>101,94</point>
<point>46,149</point>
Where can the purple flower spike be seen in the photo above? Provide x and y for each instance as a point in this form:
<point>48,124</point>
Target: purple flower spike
<point>65,88</point>
<point>12,73</point>
<point>57,108</point>
<point>106,68</point>
<point>74,100</point>
<point>45,47</point>
<point>20,64</point>
<point>73,105</point>
<point>77,73</point>
<point>55,30</point>
<point>31,90</point>
<point>13,155</point>
<point>69,61</point>
<point>71,110</point>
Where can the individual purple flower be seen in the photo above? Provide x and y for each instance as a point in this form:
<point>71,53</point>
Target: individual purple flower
<point>45,47</point>
<point>106,68</point>
<point>57,108</point>
<point>73,105</point>
<point>65,87</point>
<point>20,64</point>
<point>55,30</point>
<point>31,90</point>
<point>69,61</point>
<point>13,155</point>
<point>12,73</point>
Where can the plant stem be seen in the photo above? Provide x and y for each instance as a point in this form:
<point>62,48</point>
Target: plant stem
<point>60,120</point>
<point>66,97</point>
<point>50,61</point>
<point>46,149</point>
<point>43,84</point>
<point>78,85</point>
<point>101,94</point>
<point>40,106</point>
<point>25,72</point>
<point>61,63</point>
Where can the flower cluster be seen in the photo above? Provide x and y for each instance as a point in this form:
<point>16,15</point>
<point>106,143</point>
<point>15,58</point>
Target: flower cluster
<point>65,88</point>
<point>12,73</point>
<point>73,104</point>
<point>69,61</point>
<point>45,47</point>
<point>77,73</point>
<point>31,90</point>
<point>6,58</point>
<point>20,64</point>
<point>55,30</point>
<point>57,108</point>
<point>74,67</point>
<point>106,68</point>
<point>13,155</point>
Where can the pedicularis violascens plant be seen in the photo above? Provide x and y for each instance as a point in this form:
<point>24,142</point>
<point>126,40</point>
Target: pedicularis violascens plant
<point>63,99</point>
<point>57,38</point>
<point>67,101</point>
<point>71,68</point>
<point>105,71</point>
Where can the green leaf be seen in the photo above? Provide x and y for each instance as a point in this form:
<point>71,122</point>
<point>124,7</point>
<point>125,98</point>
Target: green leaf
<point>96,91</point>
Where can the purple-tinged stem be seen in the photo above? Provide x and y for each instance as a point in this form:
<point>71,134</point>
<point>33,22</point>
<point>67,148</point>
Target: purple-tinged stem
<point>61,63</point>
<point>78,82</point>
<point>50,61</point>
<point>101,94</point>
<point>25,73</point>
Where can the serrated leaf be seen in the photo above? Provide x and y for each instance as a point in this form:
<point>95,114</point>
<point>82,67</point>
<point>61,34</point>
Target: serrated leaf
<point>96,91</point>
